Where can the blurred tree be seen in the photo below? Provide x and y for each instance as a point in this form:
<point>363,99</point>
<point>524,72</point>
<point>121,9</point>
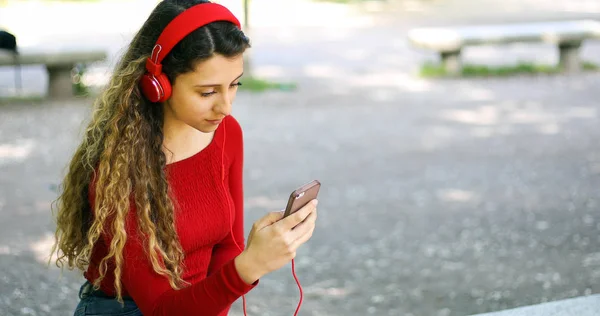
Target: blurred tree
<point>247,30</point>
<point>246,15</point>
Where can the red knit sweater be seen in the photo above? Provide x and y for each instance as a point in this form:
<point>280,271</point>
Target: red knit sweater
<point>202,219</point>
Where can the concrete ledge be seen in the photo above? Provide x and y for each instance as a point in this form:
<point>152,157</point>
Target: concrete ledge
<point>450,41</point>
<point>454,38</point>
<point>59,65</point>
<point>580,306</point>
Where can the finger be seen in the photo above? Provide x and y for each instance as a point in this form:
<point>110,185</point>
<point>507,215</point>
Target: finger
<point>307,225</point>
<point>311,218</point>
<point>303,238</point>
<point>294,219</point>
<point>268,219</point>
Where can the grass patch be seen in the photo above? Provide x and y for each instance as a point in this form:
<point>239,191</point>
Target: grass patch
<point>436,70</point>
<point>36,99</point>
<point>21,99</point>
<point>254,84</point>
<point>590,66</point>
<point>348,1</point>
<point>336,1</point>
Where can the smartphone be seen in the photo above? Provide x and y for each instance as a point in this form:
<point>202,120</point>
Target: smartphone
<point>301,196</point>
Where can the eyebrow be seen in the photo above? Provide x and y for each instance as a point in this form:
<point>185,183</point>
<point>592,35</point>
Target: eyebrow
<point>215,85</point>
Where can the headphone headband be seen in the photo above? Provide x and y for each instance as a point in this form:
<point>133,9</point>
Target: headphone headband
<point>154,84</point>
<point>187,22</point>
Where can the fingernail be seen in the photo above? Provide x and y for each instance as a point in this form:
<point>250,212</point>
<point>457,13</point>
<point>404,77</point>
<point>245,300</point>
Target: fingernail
<point>315,202</point>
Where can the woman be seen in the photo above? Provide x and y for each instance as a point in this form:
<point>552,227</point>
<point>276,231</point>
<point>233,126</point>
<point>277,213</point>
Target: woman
<point>152,205</point>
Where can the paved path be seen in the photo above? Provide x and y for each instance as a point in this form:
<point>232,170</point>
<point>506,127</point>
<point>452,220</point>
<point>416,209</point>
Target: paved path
<point>442,198</point>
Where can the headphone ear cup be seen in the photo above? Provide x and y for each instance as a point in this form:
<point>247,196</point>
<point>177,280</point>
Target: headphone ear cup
<point>151,87</point>
<point>165,84</point>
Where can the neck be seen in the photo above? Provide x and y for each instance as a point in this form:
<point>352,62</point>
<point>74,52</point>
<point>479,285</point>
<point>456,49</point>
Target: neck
<point>181,140</point>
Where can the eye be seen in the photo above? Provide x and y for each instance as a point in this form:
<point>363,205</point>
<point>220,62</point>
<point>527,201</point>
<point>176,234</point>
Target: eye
<point>207,94</point>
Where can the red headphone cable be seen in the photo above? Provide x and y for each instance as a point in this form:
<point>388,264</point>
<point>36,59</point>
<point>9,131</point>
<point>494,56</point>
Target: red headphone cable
<point>299,287</point>
<point>233,238</point>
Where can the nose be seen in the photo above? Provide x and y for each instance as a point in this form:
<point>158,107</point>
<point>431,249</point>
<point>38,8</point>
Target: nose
<point>223,105</point>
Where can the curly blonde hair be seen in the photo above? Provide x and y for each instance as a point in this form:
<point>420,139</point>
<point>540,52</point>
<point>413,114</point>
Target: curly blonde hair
<point>121,156</point>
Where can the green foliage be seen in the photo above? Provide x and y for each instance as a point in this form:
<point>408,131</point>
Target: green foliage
<point>254,84</point>
<point>433,70</point>
<point>79,87</point>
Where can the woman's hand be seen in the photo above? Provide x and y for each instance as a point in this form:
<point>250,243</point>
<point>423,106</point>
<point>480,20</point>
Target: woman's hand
<point>273,242</point>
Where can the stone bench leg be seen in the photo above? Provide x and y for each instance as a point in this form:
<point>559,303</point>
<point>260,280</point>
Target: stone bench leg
<point>60,82</point>
<point>451,63</point>
<point>569,57</point>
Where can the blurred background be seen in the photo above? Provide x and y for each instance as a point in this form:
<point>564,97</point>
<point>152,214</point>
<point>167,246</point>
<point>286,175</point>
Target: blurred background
<point>442,194</point>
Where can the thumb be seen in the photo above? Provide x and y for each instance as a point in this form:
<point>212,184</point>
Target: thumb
<point>269,219</point>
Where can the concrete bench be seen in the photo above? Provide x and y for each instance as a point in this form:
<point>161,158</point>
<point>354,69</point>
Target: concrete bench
<point>450,41</point>
<point>58,64</point>
<point>579,306</point>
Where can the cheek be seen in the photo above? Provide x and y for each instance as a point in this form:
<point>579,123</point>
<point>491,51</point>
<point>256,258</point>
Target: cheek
<point>192,108</point>
<point>232,95</point>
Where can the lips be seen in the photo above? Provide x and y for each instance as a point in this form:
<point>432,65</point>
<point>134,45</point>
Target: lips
<point>215,121</point>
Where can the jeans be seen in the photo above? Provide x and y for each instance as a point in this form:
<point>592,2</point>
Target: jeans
<point>95,303</point>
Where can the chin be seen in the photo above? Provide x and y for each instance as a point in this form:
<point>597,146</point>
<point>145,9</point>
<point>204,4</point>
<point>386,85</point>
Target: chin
<point>206,128</point>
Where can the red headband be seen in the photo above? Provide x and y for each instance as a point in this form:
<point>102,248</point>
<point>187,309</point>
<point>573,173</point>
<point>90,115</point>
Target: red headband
<point>185,23</point>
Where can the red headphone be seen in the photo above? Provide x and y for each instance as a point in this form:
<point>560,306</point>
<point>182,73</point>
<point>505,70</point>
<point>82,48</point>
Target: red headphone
<point>154,83</point>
